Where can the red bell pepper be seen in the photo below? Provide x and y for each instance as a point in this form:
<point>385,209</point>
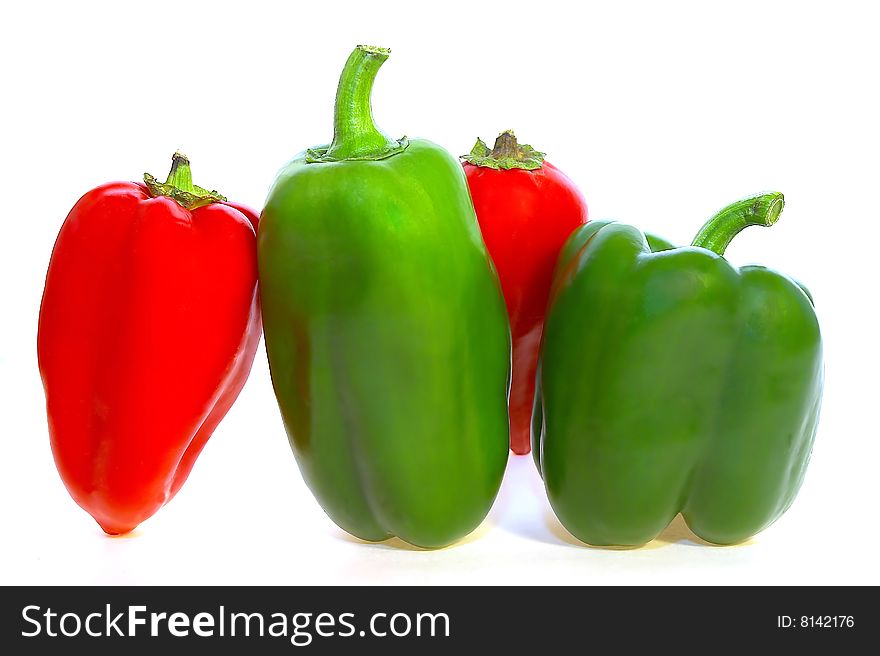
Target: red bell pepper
<point>527,208</point>
<point>148,328</point>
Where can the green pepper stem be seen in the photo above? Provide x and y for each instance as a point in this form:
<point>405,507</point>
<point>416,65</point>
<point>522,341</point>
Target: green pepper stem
<point>355,135</point>
<point>759,210</point>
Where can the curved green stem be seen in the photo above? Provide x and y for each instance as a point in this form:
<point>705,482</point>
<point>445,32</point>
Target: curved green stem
<point>759,210</point>
<point>355,135</point>
<point>179,186</point>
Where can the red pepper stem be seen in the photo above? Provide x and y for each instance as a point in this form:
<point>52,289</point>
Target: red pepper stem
<point>180,175</point>
<point>506,145</point>
<point>179,186</point>
<point>759,210</point>
<point>506,154</point>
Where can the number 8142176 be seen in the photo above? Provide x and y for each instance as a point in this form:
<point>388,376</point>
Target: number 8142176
<point>815,622</point>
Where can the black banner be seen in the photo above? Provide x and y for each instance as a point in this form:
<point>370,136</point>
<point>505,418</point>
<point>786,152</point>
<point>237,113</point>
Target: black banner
<point>329,620</point>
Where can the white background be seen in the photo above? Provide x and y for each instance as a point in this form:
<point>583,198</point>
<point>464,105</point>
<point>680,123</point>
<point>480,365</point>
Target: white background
<point>661,112</point>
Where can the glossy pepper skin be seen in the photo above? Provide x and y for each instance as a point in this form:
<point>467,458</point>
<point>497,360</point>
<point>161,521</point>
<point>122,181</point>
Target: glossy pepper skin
<point>673,382</point>
<point>385,329</point>
<point>148,328</point>
<point>527,208</point>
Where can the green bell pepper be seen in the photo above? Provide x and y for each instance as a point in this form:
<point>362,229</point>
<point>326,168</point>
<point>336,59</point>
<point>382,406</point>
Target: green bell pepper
<point>673,382</point>
<point>385,328</point>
